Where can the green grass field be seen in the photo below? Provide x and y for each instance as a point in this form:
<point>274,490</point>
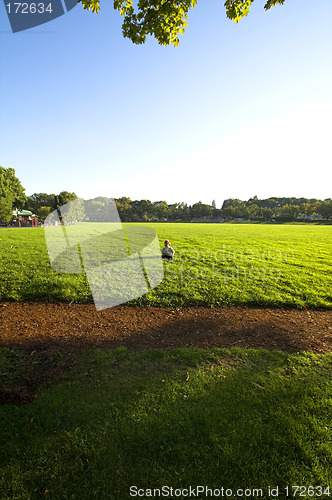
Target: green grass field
<point>214,265</point>
<point>233,419</point>
<point>219,418</point>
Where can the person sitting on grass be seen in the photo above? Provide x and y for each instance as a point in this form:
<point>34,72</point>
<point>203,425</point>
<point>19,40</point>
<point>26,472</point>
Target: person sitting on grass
<point>167,252</point>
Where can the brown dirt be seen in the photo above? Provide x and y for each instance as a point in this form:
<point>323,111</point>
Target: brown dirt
<point>49,334</point>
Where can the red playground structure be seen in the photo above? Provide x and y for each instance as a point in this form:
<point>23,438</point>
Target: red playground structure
<point>23,218</point>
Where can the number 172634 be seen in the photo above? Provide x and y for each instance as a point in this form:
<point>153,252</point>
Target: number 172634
<point>32,8</point>
<point>307,491</point>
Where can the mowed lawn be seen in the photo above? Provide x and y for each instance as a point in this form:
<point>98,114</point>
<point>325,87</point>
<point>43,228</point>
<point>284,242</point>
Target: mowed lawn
<point>235,419</point>
<point>239,419</point>
<point>215,265</point>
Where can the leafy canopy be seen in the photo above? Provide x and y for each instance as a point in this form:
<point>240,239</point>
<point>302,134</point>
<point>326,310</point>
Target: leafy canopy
<point>11,193</point>
<point>165,19</point>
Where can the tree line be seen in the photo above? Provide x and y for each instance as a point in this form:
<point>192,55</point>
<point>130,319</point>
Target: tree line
<point>281,209</point>
<point>12,195</point>
<point>277,209</point>
<point>43,204</point>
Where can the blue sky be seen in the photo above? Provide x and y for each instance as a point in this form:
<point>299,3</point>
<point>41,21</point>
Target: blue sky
<point>236,110</point>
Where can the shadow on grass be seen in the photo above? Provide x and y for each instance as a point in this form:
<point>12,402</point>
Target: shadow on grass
<point>185,417</point>
<point>42,359</point>
<point>250,331</point>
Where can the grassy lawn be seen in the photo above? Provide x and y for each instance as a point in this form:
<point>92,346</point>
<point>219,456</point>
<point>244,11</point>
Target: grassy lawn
<point>185,417</point>
<point>215,264</point>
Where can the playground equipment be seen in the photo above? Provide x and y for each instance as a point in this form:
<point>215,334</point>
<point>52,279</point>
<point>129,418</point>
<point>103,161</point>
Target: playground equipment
<point>24,218</point>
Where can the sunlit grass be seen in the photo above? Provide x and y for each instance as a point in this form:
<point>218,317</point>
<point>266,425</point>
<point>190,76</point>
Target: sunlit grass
<point>214,264</point>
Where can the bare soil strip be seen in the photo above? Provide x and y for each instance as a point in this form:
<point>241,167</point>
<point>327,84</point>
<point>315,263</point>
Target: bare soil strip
<point>49,334</point>
<point>60,327</point>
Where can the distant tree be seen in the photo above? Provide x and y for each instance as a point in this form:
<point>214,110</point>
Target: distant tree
<point>6,203</point>
<point>174,211</point>
<point>125,209</point>
<point>253,201</point>
<point>229,212</point>
<point>183,211</point>
<point>201,210</point>
<point>160,209</point>
<point>324,208</point>
<point>269,203</point>
<point>264,203</point>
<point>43,212</point>
<point>16,188</point>
<point>249,211</point>
<point>231,202</point>
<point>287,208</point>
<point>289,211</point>
<point>11,193</point>
<point>266,213</point>
<point>99,209</point>
<point>37,200</point>
<point>143,209</point>
<point>75,211</point>
<point>307,209</point>
<point>63,198</point>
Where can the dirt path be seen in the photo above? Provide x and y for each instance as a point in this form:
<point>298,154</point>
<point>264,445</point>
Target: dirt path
<point>48,335</point>
<point>59,326</point>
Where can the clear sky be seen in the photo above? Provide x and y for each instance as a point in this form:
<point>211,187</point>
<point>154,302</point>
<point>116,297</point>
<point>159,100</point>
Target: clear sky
<point>237,110</point>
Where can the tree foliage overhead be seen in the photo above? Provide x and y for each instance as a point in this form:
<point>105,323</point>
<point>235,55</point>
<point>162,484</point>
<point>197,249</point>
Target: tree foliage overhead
<point>165,19</point>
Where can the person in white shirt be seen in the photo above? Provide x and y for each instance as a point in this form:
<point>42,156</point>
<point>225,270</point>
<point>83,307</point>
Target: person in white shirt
<point>167,252</point>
